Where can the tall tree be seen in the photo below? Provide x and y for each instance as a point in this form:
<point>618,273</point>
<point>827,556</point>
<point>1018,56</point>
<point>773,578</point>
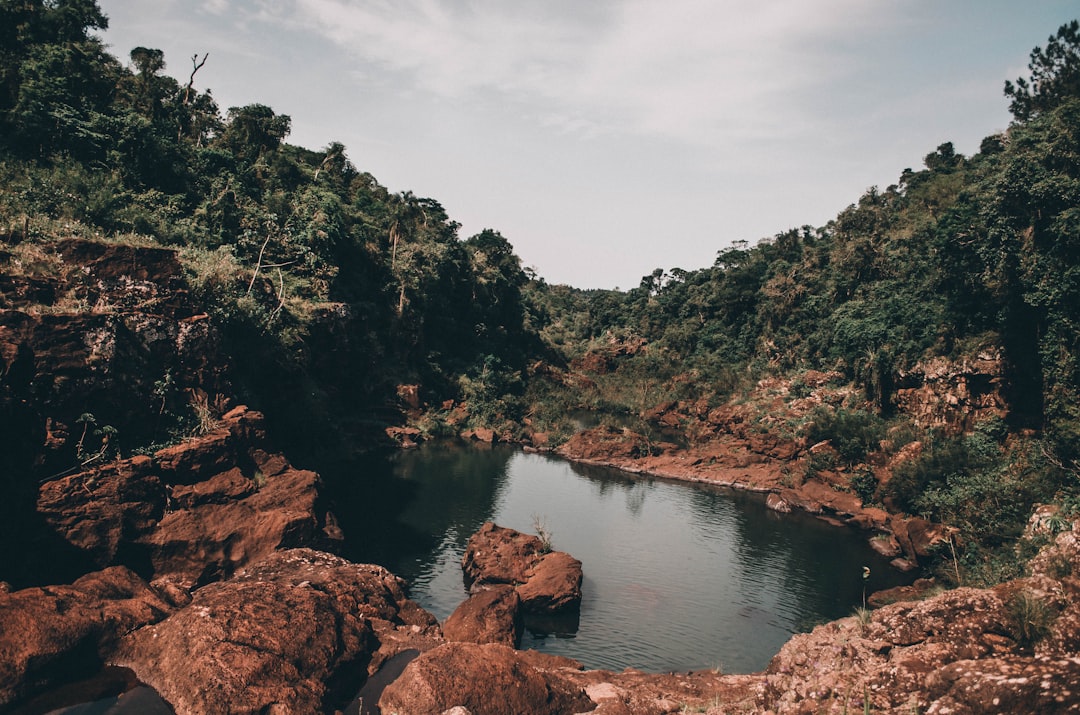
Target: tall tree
<point>1055,75</point>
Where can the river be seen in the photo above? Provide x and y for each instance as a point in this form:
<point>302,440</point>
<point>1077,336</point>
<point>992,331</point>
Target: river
<point>677,576</point>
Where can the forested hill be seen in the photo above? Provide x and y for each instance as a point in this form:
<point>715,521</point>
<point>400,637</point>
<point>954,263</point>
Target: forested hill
<point>277,237</point>
<point>345,307</point>
<point>965,254</point>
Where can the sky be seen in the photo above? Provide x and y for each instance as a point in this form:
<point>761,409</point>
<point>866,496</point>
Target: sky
<point>607,138</point>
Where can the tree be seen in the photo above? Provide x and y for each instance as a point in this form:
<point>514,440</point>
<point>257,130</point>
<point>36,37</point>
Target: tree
<point>1055,75</point>
<point>254,130</point>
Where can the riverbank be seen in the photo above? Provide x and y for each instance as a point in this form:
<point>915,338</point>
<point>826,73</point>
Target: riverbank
<point>779,470</point>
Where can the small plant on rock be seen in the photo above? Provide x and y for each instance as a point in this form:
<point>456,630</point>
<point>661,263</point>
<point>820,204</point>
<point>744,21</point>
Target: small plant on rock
<point>540,527</point>
<point>1032,619</point>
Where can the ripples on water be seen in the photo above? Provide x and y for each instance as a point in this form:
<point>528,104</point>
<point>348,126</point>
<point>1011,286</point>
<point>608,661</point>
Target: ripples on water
<point>677,576</point>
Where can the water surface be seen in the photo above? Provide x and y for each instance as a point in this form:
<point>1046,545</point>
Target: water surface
<point>677,576</point>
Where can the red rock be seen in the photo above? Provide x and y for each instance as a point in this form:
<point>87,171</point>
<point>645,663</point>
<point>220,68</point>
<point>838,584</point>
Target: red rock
<point>211,541</point>
<point>917,591</point>
<point>489,616</point>
<point>497,555</point>
<point>410,395</point>
<point>183,519</point>
<point>925,535</point>
<point>886,545</point>
<point>58,633</point>
<point>552,584</point>
<point>777,503</point>
<point>480,434</point>
<point>103,510</point>
<point>292,633</point>
<point>605,444</point>
<point>487,679</point>
<point>546,582</point>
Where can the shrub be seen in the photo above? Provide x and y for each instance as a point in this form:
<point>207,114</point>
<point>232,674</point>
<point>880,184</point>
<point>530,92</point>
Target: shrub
<point>865,485</point>
<point>1031,619</point>
<point>852,433</point>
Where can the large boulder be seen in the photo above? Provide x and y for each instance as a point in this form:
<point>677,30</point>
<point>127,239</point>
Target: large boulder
<point>492,615</point>
<point>57,633</point>
<point>295,633</point>
<point>488,679</point>
<point>546,581</point>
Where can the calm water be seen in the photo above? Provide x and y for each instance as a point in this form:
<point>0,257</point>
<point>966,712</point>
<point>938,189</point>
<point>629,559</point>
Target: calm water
<point>677,576</point>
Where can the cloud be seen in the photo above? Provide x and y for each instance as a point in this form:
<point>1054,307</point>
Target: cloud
<point>684,69</point>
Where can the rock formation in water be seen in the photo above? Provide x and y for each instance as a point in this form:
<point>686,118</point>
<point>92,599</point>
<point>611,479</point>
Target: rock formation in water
<point>546,581</point>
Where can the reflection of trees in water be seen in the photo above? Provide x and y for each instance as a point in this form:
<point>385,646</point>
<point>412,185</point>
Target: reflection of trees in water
<point>608,480</point>
<point>397,508</point>
<point>456,488</point>
<point>816,567</point>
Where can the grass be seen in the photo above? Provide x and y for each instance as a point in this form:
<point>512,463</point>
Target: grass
<point>1031,619</point>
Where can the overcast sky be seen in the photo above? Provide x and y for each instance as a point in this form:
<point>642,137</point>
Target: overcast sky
<point>606,138</point>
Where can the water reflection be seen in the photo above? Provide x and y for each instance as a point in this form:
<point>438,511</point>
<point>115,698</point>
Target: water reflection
<point>677,576</point>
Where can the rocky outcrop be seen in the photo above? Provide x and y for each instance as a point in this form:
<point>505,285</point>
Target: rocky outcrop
<point>53,634</point>
<point>119,336</point>
<point>954,395</point>
<point>546,581</point>
<point>194,512</point>
<point>295,633</point>
<point>1007,649</point>
<point>488,679</point>
<point>101,346</point>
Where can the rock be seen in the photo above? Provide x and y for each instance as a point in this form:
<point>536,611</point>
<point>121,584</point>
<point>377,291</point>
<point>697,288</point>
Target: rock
<point>552,584</point>
<point>633,692</point>
<point>497,555</point>
<point>954,395</point>
<point>489,616</point>
<point>925,535</point>
<point>404,436</point>
<point>293,633</point>
<point>196,511</point>
<point>58,633</point>
<point>601,444</point>
<point>480,434</point>
<point>922,588</point>
<point>210,542</point>
<point>488,679</point>
<point>545,581</point>
<point>885,545</point>
<point>103,511</point>
<point>409,395</point>
<point>777,503</point>
<point>141,327</point>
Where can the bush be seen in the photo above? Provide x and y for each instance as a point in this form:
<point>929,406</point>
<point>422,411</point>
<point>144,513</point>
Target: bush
<point>939,459</point>
<point>1031,619</point>
<point>852,433</point>
<point>865,485</point>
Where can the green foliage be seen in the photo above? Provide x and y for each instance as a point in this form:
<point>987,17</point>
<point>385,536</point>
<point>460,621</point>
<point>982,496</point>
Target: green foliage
<point>1055,75</point>
<point>865,485</point>
<point>1031,619</point>
<point>852,433</point>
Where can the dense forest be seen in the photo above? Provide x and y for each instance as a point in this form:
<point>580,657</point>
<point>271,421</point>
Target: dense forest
<point>966,255</point>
